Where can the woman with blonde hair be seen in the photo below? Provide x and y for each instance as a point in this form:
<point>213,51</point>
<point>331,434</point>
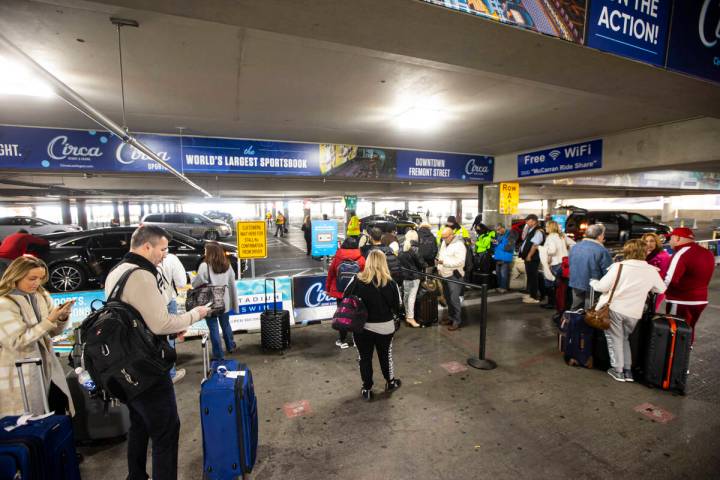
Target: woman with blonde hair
<point>28,320</point>
<point>381,296</point>
<point>632,280</point>
<point>556,246</point>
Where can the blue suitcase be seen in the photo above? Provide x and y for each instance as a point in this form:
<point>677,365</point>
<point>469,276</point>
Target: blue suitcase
<point>49,442</point>
<point>15,462</point>
<point>228,409</point>
<point>575,339</point>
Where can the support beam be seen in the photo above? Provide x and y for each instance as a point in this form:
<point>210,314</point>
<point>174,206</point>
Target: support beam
<point>82,213</point>
<point>65,211</point>
<point>126,213</point>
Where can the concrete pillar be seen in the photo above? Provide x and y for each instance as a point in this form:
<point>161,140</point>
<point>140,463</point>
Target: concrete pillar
<point>65,210</point>
<point>126,212</point>
<point>33,211</point>
<point>407,205</point>
<point>116,211</point>
<point>142,210</point>
<point>82,213</point>
<point>491,203</point>
<point>458,211</point>
<point>668,213</point>
<point>480,202</point>
<point>373,207</point>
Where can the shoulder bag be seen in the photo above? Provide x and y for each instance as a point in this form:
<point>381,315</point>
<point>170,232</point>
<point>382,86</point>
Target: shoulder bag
<point>600,319</point>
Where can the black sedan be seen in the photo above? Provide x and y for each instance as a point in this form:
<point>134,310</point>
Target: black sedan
<point>386,223</point>
<point>81,260</point>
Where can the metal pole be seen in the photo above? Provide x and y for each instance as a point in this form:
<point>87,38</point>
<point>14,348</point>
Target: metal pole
<point>252,268</point>
<point>481,362</point>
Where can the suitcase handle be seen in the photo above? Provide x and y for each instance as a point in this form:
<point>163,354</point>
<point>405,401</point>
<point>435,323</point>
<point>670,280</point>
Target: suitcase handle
<point>26,401</point>
<point>206,356</point>
<point>274,303</point>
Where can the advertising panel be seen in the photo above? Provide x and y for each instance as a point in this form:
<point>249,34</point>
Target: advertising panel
<point>631,28</point>
<point>560,18</point>
<point>509,198</point>
<point>251,239</point>
<point>311,301</point>
<point>443,166</point>
<point>695,40</point>
<point>324,236</point>
<point>563,159</point>
<point>81,309</point>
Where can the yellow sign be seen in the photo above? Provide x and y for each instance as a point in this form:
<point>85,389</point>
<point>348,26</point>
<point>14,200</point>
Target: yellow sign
<point>509,198</point>
<point>251,239</point>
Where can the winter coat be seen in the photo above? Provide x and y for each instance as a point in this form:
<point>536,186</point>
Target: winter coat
<point>411,260</point>
<point>505,249</point>
<point>589,260</point>
<point>23,336</point>
<point>484,242</point>
<point>660,260</point>
<point>636,280</point>
<point>691,269</point>
<point>341,255</point>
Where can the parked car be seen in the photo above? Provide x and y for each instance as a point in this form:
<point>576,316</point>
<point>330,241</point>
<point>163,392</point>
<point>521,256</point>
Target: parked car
<point>406,215</point>
<point>193,224</point>
<point>36,226</point>
<point>386,223</point>
<point>619,226</point>
<point>82,260</point>
<point>221,216</point>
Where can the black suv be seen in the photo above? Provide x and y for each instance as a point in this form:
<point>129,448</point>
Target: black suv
<point>619,226</point>
<point>386,223</point>
<point>82,260</point>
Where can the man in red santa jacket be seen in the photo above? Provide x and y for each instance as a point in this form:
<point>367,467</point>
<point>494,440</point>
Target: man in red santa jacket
<point>691,269</point>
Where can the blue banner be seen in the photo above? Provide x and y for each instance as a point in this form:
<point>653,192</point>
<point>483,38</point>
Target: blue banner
<point>695,40</point>
<point>564,159</point>
<point>31,148</point>
<point>635,29</point>
<point>443,166</point>
<point>309,292</point>
<point>324,236</point>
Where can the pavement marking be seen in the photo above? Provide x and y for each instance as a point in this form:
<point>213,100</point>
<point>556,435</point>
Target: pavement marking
<point>454,367</point>
<point>656,414</point>
<point>297,409</point>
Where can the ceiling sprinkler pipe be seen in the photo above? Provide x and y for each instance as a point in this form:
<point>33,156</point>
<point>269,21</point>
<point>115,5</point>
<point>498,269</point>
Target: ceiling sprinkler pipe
<point>76,101</point>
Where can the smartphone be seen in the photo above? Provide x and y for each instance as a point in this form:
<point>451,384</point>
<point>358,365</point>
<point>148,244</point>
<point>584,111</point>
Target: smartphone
<point>208,305</point>
<point>62,305</point>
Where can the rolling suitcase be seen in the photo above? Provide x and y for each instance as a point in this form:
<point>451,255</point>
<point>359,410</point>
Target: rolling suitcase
<point>575,339</point>
<point>229,420</point>
<point>668,353</point>
<point>274,324</point>
<point>639,338</point>
<point>43,448</point>
<point>426,308</point>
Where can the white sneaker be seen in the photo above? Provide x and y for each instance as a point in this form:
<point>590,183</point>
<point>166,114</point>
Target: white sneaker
<point>530,300</point>
<point>342,344</point>
<point>179,375</point>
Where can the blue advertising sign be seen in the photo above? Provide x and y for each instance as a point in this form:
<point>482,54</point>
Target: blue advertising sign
<point>443,166</point>
<point>561,220</point>
<point>309,292</point>
<point>81,309</point>
<point>695,40</point>
<point>564,159</point>
<point>324,235</point>
<point>635,29</point>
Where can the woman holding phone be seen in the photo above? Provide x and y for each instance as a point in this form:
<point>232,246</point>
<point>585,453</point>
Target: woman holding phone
<point>28,320</point>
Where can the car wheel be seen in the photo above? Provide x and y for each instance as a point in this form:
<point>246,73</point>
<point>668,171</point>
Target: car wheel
<point>67,277</point>
<point>211,235</point>
<point>624,236</point>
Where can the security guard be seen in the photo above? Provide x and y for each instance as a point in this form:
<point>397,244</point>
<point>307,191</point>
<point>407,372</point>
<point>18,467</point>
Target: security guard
<point>353,229</point>
<point>485,238</point>
<point>280,224</point>
<point>457,229</point>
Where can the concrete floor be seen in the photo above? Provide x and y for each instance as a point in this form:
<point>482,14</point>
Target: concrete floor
<point>532,417</point>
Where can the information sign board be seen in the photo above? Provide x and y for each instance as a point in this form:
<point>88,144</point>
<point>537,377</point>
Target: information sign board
<point>251,239</point>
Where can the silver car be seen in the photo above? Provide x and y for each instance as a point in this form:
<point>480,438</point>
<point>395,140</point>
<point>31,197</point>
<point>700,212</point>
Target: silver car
<point>36,226</point>
<point>193,224</point>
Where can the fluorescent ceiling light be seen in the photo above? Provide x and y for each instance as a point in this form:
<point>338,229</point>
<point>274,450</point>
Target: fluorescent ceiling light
<point>419,118</point>
<point>18,80</point>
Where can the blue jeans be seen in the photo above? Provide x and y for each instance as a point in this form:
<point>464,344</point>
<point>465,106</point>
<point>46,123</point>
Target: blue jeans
<point>224,321</point>
<point>502,271</point>
<point>557,273</point>
<point>172,308</point>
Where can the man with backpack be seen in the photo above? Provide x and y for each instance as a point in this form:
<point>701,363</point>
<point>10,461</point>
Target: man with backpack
<point>153,413</point>
<point>534,237</point>
<point>376,244</point>
<point>347,263</point>
<point>451,264</point>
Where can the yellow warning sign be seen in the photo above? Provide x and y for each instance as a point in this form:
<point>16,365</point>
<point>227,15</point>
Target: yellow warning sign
<point>251,239</point>
<point>509,198</point>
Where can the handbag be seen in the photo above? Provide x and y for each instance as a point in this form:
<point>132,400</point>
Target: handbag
<point>351,315</point>
<point>204,294</point>
<point>600,319</point>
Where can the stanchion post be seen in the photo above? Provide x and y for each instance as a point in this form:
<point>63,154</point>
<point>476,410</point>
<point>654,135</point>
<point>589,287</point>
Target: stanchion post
<point>481,362</point>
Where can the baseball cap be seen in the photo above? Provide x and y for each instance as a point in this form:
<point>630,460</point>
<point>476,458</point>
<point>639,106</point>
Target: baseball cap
<point>683,232</point>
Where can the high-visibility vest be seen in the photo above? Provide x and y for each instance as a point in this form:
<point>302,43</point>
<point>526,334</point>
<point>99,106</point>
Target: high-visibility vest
<point>280,220</point>
<point>462,230</point>
<point>354,226</point>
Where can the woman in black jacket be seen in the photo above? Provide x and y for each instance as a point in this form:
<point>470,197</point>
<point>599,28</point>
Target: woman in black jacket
<point>307,233</point>
<point>381,296</point>
<point>410,259</point>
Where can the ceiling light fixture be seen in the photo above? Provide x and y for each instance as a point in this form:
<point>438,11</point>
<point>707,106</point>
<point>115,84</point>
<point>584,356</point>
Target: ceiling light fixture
<point>18,80</point>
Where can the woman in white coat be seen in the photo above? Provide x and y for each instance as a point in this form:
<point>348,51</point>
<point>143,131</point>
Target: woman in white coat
<point>27,323</point>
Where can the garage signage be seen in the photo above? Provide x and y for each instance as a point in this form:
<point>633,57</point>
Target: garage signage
<point>563,159</point>
<point>324,235</point>
<point>636,29</point>
<point>443,166</point>
<point>251,239</point>
<point>695,40</point>
<point>509,198</point>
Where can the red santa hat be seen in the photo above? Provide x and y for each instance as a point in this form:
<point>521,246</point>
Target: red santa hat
<point>683,232</point>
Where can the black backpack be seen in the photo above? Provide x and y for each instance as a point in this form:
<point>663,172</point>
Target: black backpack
<point>346,271</point>
<point>428,248</point>
<point>124,358</point>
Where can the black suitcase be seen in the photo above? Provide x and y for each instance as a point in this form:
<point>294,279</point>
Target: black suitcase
<point>95,418</point>
<point>426,308</point>
<point>639,338</point>
<point>601,354</point>
<point>274,324</point>
<point>668,353</point>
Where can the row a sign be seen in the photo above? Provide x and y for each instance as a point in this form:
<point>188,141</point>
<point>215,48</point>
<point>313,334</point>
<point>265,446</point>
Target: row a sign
<point>509,198</point>
<point>251,239</point>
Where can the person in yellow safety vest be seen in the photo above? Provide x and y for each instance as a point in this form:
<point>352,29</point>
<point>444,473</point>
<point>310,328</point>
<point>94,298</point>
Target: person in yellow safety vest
<point>353,229</point>
<point>485,238</point>
<point>280,224</point>
<point>457,229</point>
<point>268,217</point>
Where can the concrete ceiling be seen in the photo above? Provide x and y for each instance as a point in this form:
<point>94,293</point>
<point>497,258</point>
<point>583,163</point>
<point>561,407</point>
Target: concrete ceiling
<point>249,69</point>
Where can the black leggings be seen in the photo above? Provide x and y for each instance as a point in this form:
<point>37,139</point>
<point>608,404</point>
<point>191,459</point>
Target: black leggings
<point>366,342</point>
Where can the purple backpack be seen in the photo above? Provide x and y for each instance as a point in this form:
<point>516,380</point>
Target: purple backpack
<point>351,314</point>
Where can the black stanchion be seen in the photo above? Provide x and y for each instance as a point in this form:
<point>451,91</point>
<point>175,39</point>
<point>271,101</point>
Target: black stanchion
<point>481,362</point>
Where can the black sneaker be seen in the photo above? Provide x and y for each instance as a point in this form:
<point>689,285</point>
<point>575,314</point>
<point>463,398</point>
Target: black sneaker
<point>366,394</point>
<point>393,385</point>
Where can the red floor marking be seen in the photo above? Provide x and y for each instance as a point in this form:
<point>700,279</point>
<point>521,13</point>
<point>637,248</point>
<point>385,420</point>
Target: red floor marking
<point>453,367</point>
<point>297,409</point>
<point>655,413</point>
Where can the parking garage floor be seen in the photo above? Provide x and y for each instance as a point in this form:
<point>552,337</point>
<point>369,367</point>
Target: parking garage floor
<point>532,417</point>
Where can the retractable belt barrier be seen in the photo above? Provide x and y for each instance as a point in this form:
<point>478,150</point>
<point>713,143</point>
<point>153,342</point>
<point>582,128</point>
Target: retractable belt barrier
<point>480,362</point>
